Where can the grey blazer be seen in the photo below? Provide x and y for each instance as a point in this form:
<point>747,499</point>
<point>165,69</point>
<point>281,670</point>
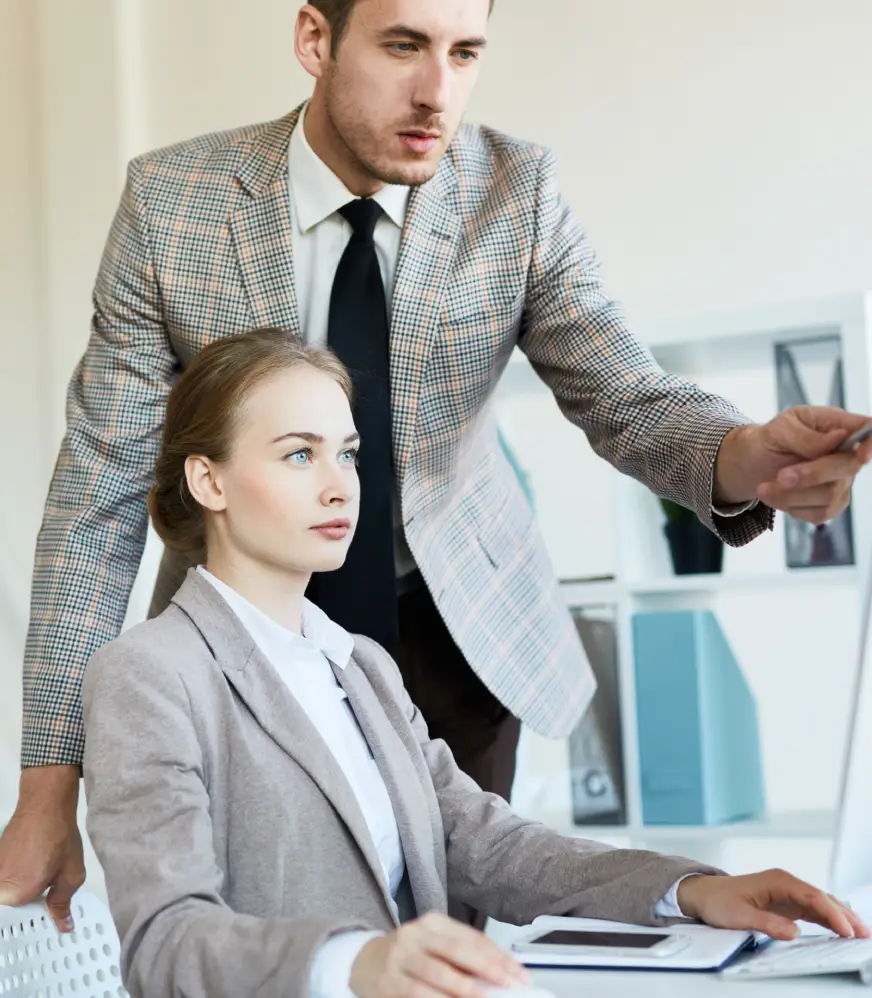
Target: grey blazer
<point>233,847</point>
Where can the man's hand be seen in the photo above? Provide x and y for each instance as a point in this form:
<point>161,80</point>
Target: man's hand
<point>41,846</point>
<point>767,902</point>
<point>433,956</point>
<point>789,463</point>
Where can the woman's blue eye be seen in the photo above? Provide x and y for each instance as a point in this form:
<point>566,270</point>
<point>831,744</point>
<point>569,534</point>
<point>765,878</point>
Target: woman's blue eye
<point>348,456</point>
<point>305,454</point>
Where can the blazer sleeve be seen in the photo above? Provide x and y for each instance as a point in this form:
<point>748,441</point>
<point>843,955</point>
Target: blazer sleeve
<point>95,522</point>
<point>514,869</point>
<point>148,818</point>
<point>658,428</point>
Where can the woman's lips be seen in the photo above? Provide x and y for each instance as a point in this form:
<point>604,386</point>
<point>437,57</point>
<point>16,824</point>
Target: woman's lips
<point>335,530</point>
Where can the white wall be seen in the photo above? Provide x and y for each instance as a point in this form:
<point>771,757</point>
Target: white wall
<point>718,153</point>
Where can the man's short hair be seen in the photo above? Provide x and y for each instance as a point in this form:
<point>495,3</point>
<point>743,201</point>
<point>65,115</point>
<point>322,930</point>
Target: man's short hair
<point>338,14</point>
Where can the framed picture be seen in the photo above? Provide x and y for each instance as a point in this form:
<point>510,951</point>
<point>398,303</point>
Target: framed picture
<point>596,759</point>
<point>809,372</point>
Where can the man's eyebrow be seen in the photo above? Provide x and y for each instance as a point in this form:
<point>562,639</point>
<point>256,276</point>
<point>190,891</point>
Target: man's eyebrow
<point>422,38</point>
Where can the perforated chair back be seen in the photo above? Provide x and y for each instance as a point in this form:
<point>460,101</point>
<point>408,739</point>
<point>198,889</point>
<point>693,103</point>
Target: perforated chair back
<point>37,961</point>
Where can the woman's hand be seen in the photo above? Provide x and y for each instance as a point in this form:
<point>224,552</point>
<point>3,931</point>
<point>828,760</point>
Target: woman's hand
<point>767,902</point>
<point>431,957</point>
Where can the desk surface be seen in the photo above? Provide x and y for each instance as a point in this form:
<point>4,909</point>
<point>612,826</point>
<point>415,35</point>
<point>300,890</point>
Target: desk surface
<point>657,984</point>
<point>661,984</point>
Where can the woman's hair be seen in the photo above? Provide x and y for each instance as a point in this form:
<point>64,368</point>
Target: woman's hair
<point>202,416</point>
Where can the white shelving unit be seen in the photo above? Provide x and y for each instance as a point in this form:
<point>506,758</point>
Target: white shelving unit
<point>605,591</point>
<point>734,355</point>
<point>788,825</point>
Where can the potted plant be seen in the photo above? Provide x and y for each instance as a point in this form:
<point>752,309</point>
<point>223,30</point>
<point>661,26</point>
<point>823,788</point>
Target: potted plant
<point>693,547</point>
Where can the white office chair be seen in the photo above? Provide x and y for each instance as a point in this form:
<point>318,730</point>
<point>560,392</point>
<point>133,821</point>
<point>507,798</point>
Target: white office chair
<point>37,961</point>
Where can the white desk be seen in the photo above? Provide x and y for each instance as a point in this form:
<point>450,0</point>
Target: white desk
<point>657,984</point>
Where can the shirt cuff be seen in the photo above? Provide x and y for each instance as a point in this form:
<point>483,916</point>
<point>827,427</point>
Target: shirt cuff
<point>331,969</point>
<point>668,906</point>
<point>736,509</point>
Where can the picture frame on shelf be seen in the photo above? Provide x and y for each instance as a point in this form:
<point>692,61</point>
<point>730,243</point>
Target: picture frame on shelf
<point>810,372</point>
<point>596,758</point>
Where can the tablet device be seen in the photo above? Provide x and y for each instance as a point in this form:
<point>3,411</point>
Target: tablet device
<point>571,942</point>
<point>553,941</point>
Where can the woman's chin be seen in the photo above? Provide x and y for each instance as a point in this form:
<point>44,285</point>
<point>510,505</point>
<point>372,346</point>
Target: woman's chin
<point>329,562</point>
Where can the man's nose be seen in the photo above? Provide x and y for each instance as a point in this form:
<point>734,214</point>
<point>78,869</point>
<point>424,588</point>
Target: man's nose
<point>433,92</point>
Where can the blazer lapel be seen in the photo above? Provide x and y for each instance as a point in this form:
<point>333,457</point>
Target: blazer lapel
<point>276,710</point>
<point>411,807</point>
<point>261,229</point>
<point>430,238</point>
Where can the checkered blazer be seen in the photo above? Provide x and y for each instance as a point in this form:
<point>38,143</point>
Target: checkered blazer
<point>491,257</point>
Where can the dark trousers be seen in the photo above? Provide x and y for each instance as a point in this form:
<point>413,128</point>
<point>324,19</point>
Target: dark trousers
<point>457,706</point>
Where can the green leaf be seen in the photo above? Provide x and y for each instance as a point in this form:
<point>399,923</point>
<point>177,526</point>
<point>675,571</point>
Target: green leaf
<point>675,513</point>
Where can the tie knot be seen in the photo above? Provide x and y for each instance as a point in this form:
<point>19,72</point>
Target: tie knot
<point>362,214</point>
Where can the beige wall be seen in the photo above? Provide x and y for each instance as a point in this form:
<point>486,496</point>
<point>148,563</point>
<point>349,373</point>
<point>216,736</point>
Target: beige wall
<point>79,173</point>
<point>22,479</point>
<point>718,152</point>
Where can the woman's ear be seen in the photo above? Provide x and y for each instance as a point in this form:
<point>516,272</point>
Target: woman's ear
<point>203,483</point>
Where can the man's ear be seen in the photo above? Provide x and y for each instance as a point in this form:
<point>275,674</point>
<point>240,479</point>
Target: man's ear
<point>312,41</point>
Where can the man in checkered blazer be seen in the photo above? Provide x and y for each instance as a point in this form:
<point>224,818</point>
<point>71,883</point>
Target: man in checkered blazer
<point>479,253</point>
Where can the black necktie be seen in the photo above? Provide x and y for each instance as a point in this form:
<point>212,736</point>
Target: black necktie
<point>362,595</point>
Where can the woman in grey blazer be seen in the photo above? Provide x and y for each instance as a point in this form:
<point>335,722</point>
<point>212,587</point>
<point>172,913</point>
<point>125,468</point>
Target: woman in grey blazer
<point>270,813</point>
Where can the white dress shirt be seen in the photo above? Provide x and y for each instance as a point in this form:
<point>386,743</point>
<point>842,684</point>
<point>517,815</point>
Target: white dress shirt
<point>320,235</point>
<point>302,663</point>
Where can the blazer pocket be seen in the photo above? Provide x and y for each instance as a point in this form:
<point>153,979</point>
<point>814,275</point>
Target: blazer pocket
<point>507,532</point>
<point>473,345</point>
<point>468,308</point>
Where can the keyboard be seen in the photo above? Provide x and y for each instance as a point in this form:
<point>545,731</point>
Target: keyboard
<point>815,955</point>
